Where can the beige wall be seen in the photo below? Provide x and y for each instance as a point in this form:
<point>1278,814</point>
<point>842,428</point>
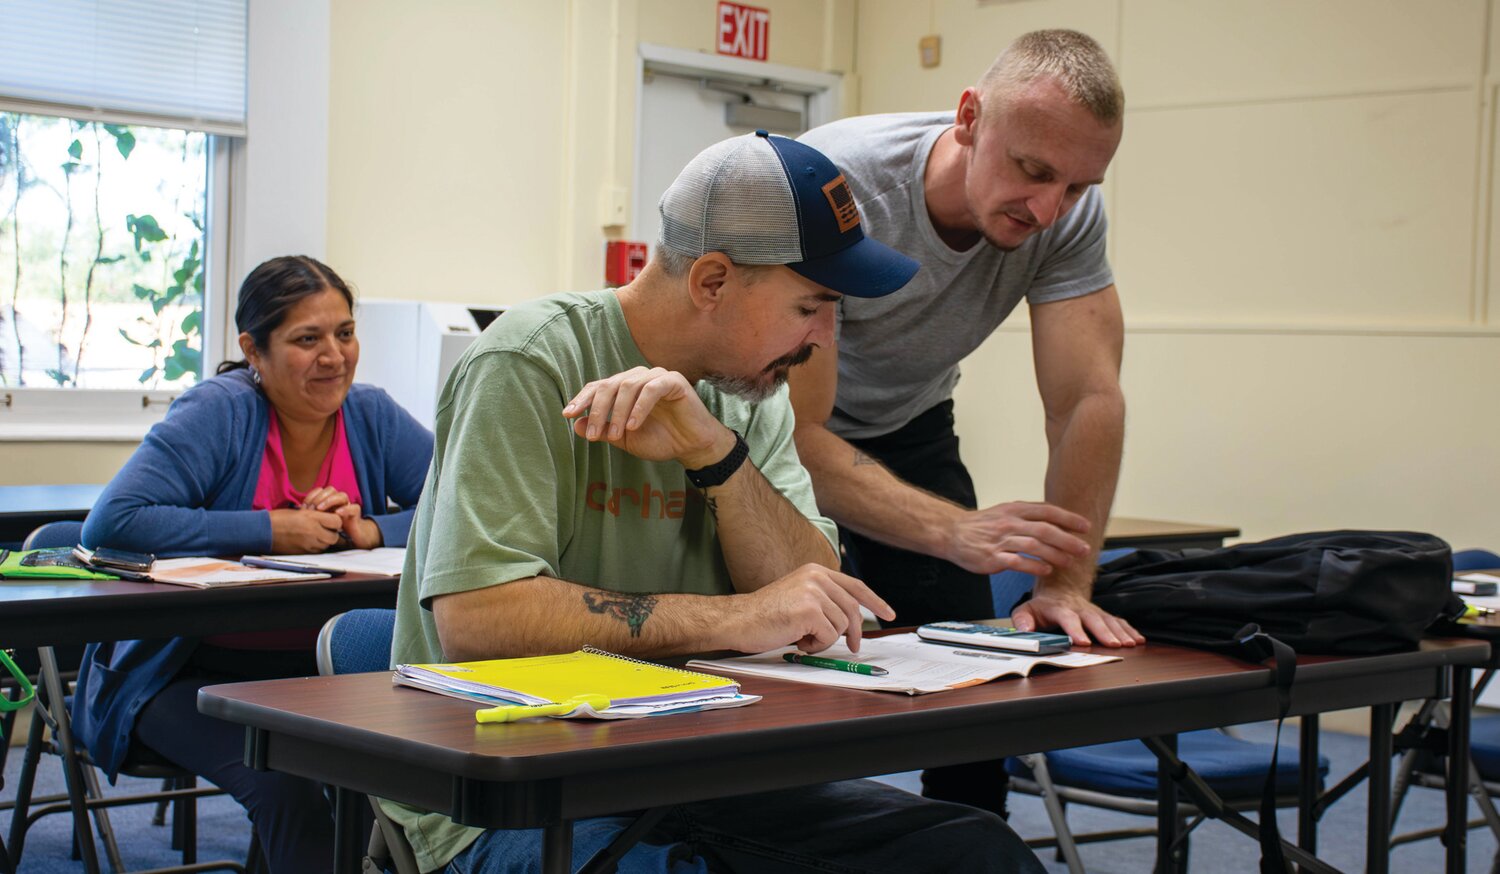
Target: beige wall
<point>1302,233</point>
<point>474,143</point>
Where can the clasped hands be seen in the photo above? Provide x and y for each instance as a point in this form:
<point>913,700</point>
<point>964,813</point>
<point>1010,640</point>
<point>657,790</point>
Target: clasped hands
<point>324,518</point>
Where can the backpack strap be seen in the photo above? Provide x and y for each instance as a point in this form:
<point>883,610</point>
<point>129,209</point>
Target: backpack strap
<point>1260,647</point>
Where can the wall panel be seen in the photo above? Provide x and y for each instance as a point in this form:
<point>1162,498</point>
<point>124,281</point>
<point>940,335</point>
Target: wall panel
<point>1356,211</point>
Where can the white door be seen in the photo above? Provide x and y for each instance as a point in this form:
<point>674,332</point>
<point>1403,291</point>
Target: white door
<point>683,110</point>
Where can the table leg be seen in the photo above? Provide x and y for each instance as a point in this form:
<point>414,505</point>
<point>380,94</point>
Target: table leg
<point>1378,826</point>
<point>1456,835</point>
<point>347,853</point>
<point>557,848</point>
<point>1307,785</point>
<point>1166,812</point>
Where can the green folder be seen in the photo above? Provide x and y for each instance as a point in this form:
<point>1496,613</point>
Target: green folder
<point>55,563</point>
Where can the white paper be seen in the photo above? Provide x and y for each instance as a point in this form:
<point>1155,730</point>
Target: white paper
<point>915,667</point>
<point>385,561</point>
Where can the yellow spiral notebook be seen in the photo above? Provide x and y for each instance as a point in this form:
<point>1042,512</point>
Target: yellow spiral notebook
<point>634,688</point>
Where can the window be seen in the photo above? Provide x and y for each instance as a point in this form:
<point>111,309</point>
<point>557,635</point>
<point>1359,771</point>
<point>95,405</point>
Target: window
<point>115,128</point>
<point>102,249</point>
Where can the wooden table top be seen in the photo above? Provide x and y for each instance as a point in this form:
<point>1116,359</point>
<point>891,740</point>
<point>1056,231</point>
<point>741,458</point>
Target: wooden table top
<point>367,712</point>
<point>1128,528</point>
<point>40,612</point>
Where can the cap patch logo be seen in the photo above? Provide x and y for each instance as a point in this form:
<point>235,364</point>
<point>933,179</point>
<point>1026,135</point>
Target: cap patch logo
<point>842,200</point>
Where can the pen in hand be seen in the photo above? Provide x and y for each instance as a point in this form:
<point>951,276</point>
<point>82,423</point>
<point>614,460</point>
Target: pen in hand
<point>798,658</point>
<point>343,536</point>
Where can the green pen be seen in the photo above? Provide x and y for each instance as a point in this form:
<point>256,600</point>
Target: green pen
<point>835,664</point>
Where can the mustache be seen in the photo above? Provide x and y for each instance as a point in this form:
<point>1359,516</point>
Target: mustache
<point>792,360</point>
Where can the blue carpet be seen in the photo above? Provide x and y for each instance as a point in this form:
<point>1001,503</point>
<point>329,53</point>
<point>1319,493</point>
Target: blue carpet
<point>224,831</point>
<point>223,828</point>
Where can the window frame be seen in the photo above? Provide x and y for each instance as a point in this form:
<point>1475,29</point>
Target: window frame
<point>34,414</point>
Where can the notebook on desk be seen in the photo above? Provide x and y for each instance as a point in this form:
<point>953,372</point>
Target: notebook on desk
<point>634,688</point>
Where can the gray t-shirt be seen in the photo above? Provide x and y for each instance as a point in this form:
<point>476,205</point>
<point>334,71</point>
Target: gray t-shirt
<point>899,354</point>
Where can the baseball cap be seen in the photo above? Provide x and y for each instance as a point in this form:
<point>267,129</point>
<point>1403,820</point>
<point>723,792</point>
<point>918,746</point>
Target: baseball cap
<point>763,199</point>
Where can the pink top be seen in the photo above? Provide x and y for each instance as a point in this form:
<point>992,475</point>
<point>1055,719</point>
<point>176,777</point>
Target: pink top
<point>274,491</point>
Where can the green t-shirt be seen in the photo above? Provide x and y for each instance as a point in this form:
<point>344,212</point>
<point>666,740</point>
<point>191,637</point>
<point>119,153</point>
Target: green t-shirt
<point>513,493</point>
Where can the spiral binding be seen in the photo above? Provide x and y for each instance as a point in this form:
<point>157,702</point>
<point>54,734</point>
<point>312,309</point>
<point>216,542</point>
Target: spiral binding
<point>594,650</point>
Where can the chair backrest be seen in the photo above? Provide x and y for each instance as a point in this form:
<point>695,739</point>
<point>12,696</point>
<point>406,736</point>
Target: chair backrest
<point>53,534</point>
<point>356,642</point>
<point>1475,560</point>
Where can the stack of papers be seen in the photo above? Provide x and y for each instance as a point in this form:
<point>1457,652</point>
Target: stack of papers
<point>634,688</point>
<point>216,573</point>
<point>915,667</point>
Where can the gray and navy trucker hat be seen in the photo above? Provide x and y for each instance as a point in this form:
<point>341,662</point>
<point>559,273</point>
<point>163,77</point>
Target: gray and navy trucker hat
<point>763,199</point>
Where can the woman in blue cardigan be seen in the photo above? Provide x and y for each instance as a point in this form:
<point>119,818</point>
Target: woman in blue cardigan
<point>279,453</point>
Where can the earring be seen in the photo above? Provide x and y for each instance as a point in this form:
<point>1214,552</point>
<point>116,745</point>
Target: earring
<point>255,375</point>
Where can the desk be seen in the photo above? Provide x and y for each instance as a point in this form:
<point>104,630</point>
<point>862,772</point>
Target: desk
<point>23,508</point>
<point>1122,531</point>
<point>37,613</point>
<point>361,734</point>
<point>48,613</point>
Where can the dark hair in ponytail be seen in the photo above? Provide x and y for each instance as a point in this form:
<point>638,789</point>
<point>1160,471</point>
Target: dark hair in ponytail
<point>270,292</point>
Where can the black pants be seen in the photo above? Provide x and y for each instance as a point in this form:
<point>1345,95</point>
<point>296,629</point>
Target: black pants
<point>290,814</point>
<point>921,588</point>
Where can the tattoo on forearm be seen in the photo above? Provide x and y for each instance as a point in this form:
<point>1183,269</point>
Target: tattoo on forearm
<point>633,610</point>
<point>861,458</point>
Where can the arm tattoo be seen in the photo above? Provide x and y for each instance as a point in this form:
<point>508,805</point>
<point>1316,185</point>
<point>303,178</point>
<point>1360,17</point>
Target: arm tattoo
<point>633,610</point>
<point>861,458</point>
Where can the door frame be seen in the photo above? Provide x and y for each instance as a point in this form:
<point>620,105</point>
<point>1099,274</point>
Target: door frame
<point>825,90</point>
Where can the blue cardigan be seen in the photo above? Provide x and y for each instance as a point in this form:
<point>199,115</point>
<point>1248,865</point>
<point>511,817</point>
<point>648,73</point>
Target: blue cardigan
<point>188,490</point>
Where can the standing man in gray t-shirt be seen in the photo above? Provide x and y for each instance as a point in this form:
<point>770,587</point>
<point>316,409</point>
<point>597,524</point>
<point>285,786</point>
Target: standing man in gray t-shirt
<point>998,203</point>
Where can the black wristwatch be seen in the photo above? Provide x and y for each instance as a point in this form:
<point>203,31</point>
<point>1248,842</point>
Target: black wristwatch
<point>718,474</point>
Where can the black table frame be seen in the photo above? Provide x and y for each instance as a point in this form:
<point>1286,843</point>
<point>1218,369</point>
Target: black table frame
<point>551,791</point>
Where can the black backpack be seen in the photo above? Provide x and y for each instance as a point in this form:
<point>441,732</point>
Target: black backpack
<point>1329,592</point>
<point>1349,592</point>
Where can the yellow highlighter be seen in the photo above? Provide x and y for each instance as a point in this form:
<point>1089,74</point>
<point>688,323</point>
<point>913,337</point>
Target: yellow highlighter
<point>514,712</point>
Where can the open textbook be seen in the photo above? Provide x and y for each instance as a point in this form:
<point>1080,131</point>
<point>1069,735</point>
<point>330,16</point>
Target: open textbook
<point>914,666</point>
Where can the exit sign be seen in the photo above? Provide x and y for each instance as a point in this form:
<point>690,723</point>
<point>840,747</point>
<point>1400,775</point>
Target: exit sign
<point>744,31</point>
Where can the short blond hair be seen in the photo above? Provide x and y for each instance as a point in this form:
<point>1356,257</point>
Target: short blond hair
<point>1075,61</point>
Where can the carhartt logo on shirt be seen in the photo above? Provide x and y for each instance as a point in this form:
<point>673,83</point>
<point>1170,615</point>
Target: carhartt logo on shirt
<point>646,501</point>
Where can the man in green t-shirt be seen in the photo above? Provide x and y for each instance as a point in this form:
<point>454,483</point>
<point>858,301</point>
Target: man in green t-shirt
<point>617,468</point>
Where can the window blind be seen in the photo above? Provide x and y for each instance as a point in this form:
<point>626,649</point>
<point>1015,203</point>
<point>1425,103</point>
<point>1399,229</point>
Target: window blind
<point>178,63</point>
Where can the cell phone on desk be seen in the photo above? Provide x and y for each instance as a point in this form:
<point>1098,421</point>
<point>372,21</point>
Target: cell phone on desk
<point>111,560</point>
<point>995,637</point>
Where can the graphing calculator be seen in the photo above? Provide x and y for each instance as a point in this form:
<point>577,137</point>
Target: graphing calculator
<point>995,637</point>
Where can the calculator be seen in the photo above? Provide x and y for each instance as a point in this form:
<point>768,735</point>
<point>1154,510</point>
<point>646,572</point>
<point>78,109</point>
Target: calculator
<point>995,637</point>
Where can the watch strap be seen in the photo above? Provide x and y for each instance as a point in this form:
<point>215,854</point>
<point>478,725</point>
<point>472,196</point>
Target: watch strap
<point>718,473</point>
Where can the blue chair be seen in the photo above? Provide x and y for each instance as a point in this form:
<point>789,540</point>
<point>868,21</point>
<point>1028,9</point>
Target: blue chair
<point>1475,560</point>
<point>53,534</point>
<point>1122,776</point>
<point>359,642</point>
